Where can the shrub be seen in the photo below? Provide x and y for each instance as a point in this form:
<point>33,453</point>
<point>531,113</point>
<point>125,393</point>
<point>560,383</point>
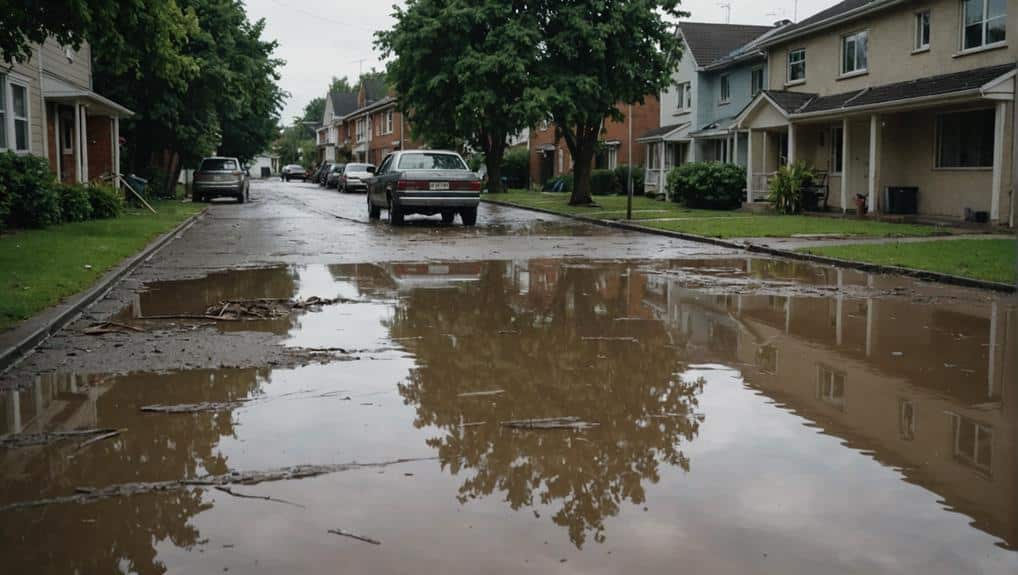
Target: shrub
<point>710,185</point>
<point>475,161</point>
<point>75,202</point>
<point>32,199</point>
<point>5,206</point>
<point>106,201</point>
<point>787,186</point>
<point>622,175</point>
<point>603,183</point>
<point>516,167</point>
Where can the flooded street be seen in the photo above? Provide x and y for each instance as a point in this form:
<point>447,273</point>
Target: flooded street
<point>533,395</point>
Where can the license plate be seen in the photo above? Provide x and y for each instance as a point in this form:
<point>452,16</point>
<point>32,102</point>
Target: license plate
<point>433,186</point>
<point>223,178</point>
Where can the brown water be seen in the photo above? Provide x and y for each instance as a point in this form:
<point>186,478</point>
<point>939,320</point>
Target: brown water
<point>753,416</point>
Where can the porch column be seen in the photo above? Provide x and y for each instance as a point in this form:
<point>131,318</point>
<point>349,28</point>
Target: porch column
<point>661,175</point>
<point>731,149</point>
<point>116,150</point>
<point>846,163</point>
<point>874,163</point>
<point>749,166</point>
<point>998,161</point>
<point>77,142</point>
<point>791,143</point>
<point>763,163</point>
<point>58,144</point>
<point>84,144</point>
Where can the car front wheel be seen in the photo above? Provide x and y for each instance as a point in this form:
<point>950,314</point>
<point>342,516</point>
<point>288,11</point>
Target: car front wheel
<point>469,216</point>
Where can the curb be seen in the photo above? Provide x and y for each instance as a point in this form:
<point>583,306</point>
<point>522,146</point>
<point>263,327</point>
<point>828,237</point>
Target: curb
<point>801,256</point>
<point>67,311</point>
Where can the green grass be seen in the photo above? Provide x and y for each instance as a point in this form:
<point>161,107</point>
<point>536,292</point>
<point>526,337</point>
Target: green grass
<point>38,268</point>
<point>713,223</point>
<point>986,259</point>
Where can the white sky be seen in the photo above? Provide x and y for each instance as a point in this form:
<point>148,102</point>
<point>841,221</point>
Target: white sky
<point>324,38</point>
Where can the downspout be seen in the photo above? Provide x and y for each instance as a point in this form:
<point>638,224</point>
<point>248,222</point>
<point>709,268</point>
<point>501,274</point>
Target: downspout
<point>1014,167</point>
<point>45,123</point>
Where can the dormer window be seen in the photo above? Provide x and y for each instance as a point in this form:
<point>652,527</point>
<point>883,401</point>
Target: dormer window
<point>854,53</point>
<point>985,23</point>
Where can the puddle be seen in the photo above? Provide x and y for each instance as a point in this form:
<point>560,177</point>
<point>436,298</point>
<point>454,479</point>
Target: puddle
<point>751,416</point>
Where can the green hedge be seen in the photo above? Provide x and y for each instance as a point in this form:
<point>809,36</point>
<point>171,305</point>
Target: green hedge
<point>107,202</point>
<point>622,175</point>
<point>75,202</point>
<point>604,183</point>
<point>30,195</point>
<point>710,185</point>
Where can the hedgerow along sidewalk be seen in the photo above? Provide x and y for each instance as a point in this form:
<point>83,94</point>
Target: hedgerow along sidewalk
<point>42,267</point>
<point>752,228</point>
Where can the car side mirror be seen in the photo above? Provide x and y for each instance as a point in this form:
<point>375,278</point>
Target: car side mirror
<point>371,169</point>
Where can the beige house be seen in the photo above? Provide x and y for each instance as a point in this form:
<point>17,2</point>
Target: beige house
<point>881,95</point>
<point>48,108</point>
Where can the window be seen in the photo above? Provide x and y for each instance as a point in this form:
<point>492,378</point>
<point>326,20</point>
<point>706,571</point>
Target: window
<point>388,122</point>
<point>922,31</point>
<point>973,443</point>
<point>14,131</point>
<point>385,165</point>
<point>613,157</point>
<point>984,22</point>
<point>797,65</point>
<point>653,156</point>
<point>3,112</point>
<point>66,133</point>
<point>430,161</point>
<point>684,97</point>
<point>965,139</point>
<point>853,52</point>
<point>218,165</point>
<point>756,81</point>
<point>726,89</point>
<point>837,149</point>
<point>831,386</point>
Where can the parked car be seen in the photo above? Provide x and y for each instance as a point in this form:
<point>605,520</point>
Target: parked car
<point>322,173</point>
<point>217,177</point>
<point>355,177</point>
<point>294,172</point>
<point>424,182</point>
<point>332,180</point>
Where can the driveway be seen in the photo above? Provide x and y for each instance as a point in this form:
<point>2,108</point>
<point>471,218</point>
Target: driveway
<point>289,387</point>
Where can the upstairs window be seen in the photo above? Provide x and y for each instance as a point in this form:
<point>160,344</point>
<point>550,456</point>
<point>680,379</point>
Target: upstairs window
<point>854,52</point>
<point>797,65</point>
<point>985,23</point>
<point>684,97</point>
<point>388,122</point>
<point>922,31</point>
<point>726,89</point>
<point>756,81</point>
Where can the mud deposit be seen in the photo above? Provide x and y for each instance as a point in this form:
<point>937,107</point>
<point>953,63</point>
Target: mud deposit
<point>707,415</point>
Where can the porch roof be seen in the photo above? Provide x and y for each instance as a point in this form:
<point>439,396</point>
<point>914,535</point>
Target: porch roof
<point>671,132</point>
<point>719,127</point>
<point>56,89</point>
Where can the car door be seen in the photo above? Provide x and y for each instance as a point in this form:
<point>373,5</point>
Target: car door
<point>377,183</point>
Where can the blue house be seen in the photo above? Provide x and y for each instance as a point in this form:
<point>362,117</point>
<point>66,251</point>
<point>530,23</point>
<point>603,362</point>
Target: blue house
<point>720,71</point>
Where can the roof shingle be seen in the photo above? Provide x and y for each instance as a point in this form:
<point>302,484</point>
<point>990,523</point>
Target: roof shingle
<point>710,43</point>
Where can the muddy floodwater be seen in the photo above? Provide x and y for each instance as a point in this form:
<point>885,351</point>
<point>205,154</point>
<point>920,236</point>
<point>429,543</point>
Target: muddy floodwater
<point>725,415</point>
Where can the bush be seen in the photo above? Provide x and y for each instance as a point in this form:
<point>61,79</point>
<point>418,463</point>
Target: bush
<point>562,183</point>
<point>622,175</point>
<point>787,187</point>
<point>475,161</point>
<point>5,206</point>
<point>710,185</point>
<point>516,167</point>
<point>75,202</point>
<point>603,183</point>
<point>32,199</point>
<point>107,202</point>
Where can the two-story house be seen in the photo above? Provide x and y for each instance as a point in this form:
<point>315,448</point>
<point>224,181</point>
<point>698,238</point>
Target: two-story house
<point>720,70</point>
<point>881,95</point>
<point>48,108</point>
<point>337,106</point>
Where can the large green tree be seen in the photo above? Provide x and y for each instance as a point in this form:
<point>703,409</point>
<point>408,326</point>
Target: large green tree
<point>463,71</point>
<point>27,22</point>
<point>596,55</point>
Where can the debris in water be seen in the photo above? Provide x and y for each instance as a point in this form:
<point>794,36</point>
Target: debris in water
<point>29,439</point>
<point>551,423</point>
<point>481,393</point>
<point>109,327</point>
<point>229,491</point>
<point>98,438</point>
<point>352,535</point>
<point>608,338</point>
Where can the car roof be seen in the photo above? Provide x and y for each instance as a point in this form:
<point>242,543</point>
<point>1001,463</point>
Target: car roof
<point>219,158</point>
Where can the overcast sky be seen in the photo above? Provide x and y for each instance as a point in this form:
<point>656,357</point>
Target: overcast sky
<point>324,38</point>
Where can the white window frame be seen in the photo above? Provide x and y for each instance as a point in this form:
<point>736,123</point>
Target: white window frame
<point>854,37</point>
<point>7,82</point>
<point>960,451</point>
<point>724,89</point>
<point>755,89</point>
<point>4,111</point>
<point>789,63</point>
<point>684,99</point>
<point>612,156</point>
<point>983,45</point>
<point>920,44</point>
<point>388,122</point>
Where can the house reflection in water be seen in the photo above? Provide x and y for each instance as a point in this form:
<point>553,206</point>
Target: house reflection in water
<point>927,388</point>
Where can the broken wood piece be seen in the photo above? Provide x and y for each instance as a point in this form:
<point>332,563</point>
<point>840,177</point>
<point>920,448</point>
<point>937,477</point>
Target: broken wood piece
<point>481,393</point>
<point>352,535</point>
<point>473,424</point>
<point>229,491</point>
<point>99,438</point>
<point>197,407</point>
<point>609,338</point>
<point>30,439</point>
<point>551,423</point>
<point>109,327</point>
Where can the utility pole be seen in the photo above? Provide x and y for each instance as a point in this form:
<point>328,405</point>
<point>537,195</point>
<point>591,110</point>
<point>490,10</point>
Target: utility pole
<point>629,165</point>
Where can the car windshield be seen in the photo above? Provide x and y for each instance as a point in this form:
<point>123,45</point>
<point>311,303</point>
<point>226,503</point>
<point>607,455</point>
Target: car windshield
<point>357,167</point>
<point>218,165</point>
<point>294,167</point>
<point>337,169</point>
<point>431,162</point>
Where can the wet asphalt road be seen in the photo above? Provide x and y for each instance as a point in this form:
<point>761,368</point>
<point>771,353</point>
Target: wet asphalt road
<point>724,413</point>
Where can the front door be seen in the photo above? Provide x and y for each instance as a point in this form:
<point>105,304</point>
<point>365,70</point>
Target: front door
<point>547,166</point>
<point>68,171</point>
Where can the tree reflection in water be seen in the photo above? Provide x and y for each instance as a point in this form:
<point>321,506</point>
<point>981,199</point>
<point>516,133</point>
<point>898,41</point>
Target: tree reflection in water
<point>528,340</point>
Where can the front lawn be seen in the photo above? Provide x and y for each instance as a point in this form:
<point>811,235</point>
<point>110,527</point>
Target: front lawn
<point>38,268</point>
<point>986,259</point>
<point>712,223</point>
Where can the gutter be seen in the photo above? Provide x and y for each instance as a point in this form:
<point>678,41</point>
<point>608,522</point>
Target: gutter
<point>917,100</point>
<point>731,62</point>
<point>843,17</point>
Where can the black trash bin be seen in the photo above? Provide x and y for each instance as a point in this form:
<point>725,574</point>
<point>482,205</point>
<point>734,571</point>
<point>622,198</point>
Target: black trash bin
<point>901,200</point>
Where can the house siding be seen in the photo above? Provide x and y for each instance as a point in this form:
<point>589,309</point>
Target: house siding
<point>76,70</point>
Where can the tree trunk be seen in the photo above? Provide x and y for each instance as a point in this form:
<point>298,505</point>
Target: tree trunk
<point>583,161</point>
<point>493,161</point>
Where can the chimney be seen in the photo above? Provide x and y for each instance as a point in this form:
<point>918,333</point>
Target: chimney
<point>781,23</point>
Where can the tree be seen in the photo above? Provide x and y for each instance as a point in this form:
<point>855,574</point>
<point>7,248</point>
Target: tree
<point>340,85</point>
<point>27,22</point>
<point>595,55</point>
<point>462,70</point>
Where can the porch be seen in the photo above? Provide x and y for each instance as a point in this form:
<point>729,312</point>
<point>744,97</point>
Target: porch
<point>667,147</point>
<point>82,132</point>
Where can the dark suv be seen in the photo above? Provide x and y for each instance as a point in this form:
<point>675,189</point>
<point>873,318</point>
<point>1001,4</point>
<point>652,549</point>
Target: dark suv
<point>217,177</point>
